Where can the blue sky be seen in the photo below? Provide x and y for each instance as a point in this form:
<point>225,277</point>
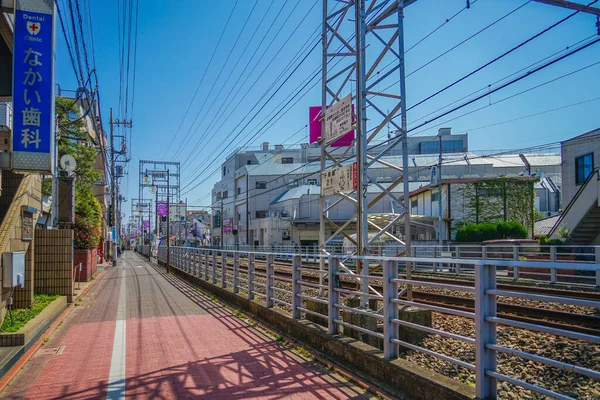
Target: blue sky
<point>176,40</point>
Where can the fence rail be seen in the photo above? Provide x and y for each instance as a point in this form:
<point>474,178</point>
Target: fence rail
<point>554,270</point>
<point>224,268</point>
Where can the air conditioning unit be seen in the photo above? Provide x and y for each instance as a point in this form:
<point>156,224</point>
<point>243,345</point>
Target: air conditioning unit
<point>5,117</point>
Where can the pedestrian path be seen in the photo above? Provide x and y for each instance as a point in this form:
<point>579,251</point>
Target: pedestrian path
<point>140,333</point>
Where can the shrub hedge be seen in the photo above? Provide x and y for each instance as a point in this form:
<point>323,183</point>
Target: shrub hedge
<point>483,231</point>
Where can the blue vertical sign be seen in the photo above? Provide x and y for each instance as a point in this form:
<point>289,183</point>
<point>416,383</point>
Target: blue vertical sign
<point>33,82</point>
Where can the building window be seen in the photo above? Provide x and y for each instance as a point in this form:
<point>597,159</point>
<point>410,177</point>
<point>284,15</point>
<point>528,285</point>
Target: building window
<point>287,160</point>
<point>493,192</point>
<point>261,184</point>
<point>414,203</point>
<point>224,171</point>
<point>448,146</point>
<point>435,196</point>
<point>261,214</point>
<point>311,181</point>
<point>225,194</point>
<point>583,167</point>
<point>249,162</point>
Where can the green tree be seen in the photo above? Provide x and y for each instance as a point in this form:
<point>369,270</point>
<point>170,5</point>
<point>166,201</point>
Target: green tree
<point>74,140</point>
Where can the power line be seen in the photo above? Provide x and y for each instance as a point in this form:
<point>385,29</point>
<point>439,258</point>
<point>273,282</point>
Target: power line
<point>295,92</point>
<point>202,78</point>
<point>185,140</point>
<point>532,115</point>
<point>248,91</point>
<point>505,98</point>
<point>498,20</point>
<point>463,105</point>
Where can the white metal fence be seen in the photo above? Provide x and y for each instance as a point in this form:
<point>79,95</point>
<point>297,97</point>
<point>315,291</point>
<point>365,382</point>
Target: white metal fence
<point>277,289</point>
<point>552,261</point>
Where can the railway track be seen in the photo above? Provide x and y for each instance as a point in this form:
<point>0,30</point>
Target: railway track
<point>574,322</point>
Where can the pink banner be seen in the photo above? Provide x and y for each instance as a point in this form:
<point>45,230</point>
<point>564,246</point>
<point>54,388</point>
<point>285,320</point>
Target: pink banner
<point>227,225</point>
<point>314,121</point>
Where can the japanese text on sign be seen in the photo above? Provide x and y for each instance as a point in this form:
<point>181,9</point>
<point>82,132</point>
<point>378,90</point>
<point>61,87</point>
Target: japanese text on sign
<point>32,86</point>
<point>338,119</point>
<point>339,179</point>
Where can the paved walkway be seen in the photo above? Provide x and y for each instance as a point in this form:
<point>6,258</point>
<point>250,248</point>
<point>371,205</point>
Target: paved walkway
<point>141,334</point>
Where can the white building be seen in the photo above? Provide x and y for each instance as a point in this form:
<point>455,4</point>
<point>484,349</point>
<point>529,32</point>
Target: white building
<point>580,219</point>
<point>269,196</point>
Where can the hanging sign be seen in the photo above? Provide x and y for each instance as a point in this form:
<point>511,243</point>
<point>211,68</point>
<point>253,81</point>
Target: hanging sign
<point>338,119</point>
<point>433,179</point>
<point>33,82</point>
<point>339,179</point>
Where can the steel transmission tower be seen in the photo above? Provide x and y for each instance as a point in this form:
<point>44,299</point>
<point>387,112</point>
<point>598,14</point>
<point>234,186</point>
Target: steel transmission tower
<point>165,177</point>
<point>378,37</point>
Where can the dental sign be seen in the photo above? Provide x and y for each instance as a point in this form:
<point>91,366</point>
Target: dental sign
<point>33,82</point>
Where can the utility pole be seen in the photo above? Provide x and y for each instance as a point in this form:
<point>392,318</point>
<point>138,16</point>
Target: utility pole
<point>222,221</point>
<point>247,213</point>
<point>114,183</point>
<point>168,221</point>
<point>149,229</point>
<point>441,208</point>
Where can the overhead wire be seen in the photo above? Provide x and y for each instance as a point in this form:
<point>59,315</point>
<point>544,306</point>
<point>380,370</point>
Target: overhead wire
<point>493,23</point>
<point>202,78</point>
<point>187,137</point>
<point>248,75</point>
<point>503,86</point>
<point>254,115</point>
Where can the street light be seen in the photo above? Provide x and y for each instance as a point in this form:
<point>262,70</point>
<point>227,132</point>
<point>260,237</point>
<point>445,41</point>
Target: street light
<point>146,179</point>
<point>153,189</point>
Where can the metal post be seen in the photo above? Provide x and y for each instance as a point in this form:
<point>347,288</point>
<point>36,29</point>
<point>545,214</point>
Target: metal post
<point>322,205</point>
<point>149,228</point>
<point>485,331</point>
<point>224,269</point>
<point>404,133</point>
<point>553,271</point>
<point>270,279</point>
<point>334,296</point>
<point>214,268</point>
<point>236,269</point>
<point>362,234</point>
<point>250,276</point>
<point>247,213</point>
<point>194,261</point>
<point>114,188</point>
<point>440,190</point>
<point>222,220</point>
<point>597,251</point>
<point>296,286</point>
<point>516,258</point>
<point>156,223</point>
<point>168,220</point>
<point>206,256</point>
<point>390,309</point>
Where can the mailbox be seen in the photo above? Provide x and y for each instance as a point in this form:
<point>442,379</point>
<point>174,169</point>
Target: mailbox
<point>13,269</point>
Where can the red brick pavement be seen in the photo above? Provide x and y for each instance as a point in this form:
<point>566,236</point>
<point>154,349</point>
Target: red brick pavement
<point>179,345</point>
<point>199,356</point>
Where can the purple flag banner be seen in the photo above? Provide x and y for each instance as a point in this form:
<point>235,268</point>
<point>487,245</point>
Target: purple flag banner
<point>161,208</point>
<point>146,224</point>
